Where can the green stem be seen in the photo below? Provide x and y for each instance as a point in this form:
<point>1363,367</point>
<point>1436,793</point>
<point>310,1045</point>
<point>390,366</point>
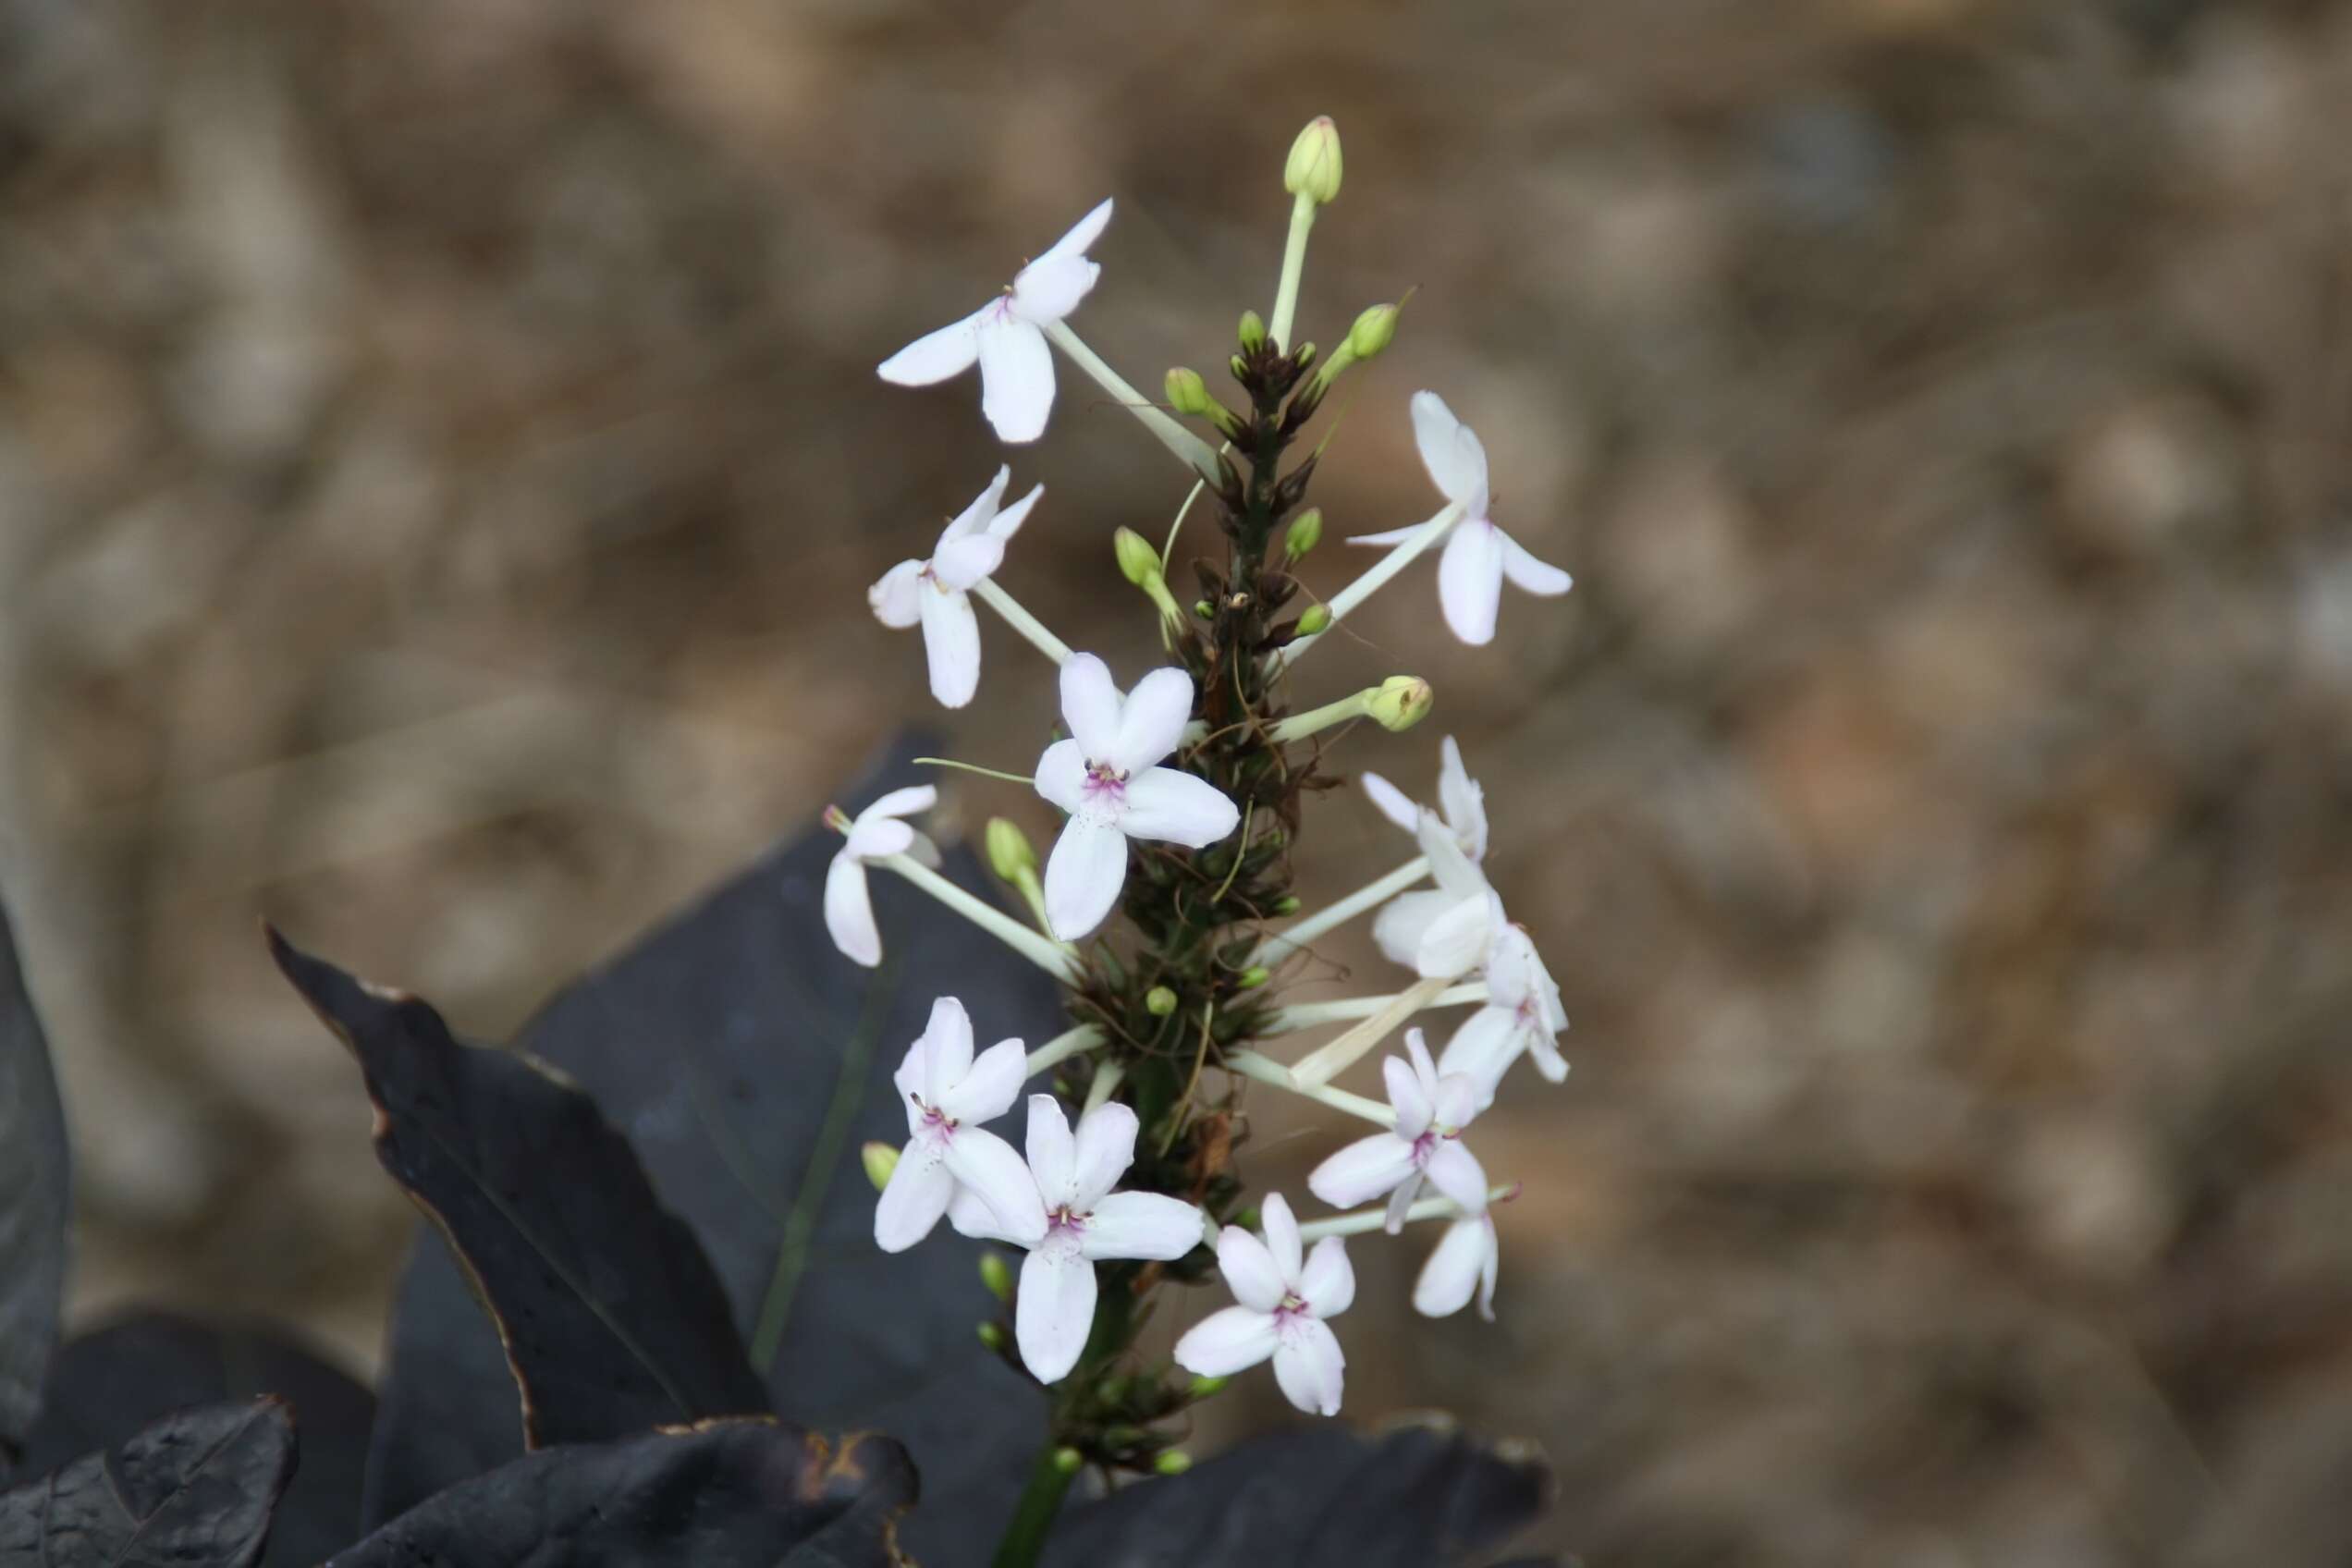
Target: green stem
<point>1040,1500</point>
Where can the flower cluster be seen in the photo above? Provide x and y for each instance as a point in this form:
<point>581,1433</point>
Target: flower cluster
<point>1180,797</point>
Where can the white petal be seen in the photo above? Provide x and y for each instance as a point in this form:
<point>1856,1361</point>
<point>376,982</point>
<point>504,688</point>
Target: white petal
<point>849,910</point>
<point>1150,1225</point>
<point>1455,1172</point>
<point>1016,379</point>
<point>1104,1148</point>
<point>1061,775</point>
<point>977,517</point>
<point>1308,1366</point>
<point>1457,463</point>
<point>1391,802</point>
<point>1084,874</point>
<point>1050,288</point>
<point>1408,1096</point>
<point>1424,1072</point>
<point>1232,1339</point>
<point>1153,720</point>
<point>971,1217</point>
<point>1482,1049</point>
<point>913,1083</point>
<point>1008,521</point>
<point>946,1047</point>
<point>1053,1157</point>
<point>1463,803</point>
<point>1090,705</point>
<point>913,1198</point>
<point>1489,1269</point>
<point>936,356</point>
<point>1470,582</point>
<point>1450,865</point>
<point>896,596</point>
<point>1328,1282</point>
<point>1451,1274</point>
<point>1534,576</point>
<point>923,851</point>
<point>901,803</point>
<point>1162,803</point>
<point>1511,968</point>
<point>1055,1311</point>
<point>1001,1179</point>
<point>1548,1061</point>
<point>1281,1227</point>
<point>1403,920</point>
<point>1455,941</point>
<point>988,1089</point>
<point>1363,1170</point>
<point>952,643</point>
<point>1250,1270</point>
<point>873,838</point>
<point>1457,1100</point>
<point>960,563</point>
<point>1400,1204</point>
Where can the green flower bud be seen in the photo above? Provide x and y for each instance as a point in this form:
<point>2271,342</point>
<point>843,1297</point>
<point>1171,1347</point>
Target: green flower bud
<point>1402,702</point>
<point>1315,618</point>
<point>1256,975</point>
<point>880,1159</point>
<point>1305,530</point>
<point>1160,1001</point>
<point>1202,608</point>
<point>1253,331</point>
<point>1304,355</point>
<point>1068,1459</point>
<point>1138,562</point>
<point>1010,855</point>
<point>1172,1461</point>
<point>1187,393</point>
<point>996,1274</point>
<point>1373,331</point>
<point>1313,170</point>
<point>993,1336</point>
<point>1287,904</point>
<point>1204,1386</point>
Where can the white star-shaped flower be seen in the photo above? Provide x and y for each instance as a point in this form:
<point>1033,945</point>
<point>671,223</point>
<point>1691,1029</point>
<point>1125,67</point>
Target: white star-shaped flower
<point>1479,555</point>
<point>1284,1299</point>
<point>1105,778</point>
<point>1441,932</point>
<point>1521,1014</point>
<point>936,593</point>
<point>1085,1220</point>
<point>1467,1258</point>
<point>1431,1111</point>
<point>872,835</point>
<point>1005,336</point>
<point>1461,803</point>
<point>948,1096</point>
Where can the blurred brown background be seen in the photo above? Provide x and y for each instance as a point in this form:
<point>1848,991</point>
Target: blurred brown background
<point>440,464</point>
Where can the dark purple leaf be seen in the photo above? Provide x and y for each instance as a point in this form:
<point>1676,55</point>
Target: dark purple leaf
<point>103,1387</point>
<point>728,1494</point>
<point>33,1203</point>
<point>193,1490</point>
<point>610,1313</point>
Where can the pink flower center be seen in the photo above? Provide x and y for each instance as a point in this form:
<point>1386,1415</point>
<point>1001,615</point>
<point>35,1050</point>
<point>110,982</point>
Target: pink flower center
<point>1105,788</point>
<point>1290,1308</point>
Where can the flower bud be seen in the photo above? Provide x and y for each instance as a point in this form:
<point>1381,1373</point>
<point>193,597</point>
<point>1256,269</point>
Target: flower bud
<point>1287,904</point>
<point>1305,530</point>
<point>1068,1459</point>
<point>1138,562</point>
<point>996,1274</point>
<point>1253,332</point>
<point>1304,355</point>
<point>1373,331</point>
<point>1160,1001</point>
<point>880,1159</point>
<point>1204,1386</point>
<point>993,1336</point>
<point>1317,617</point>
<point>1187,393</point>
<point>1203,610</point>
<point>1172,1461</point>
<point>1313,170</point>
<point>1010,855</point>
<point>1402,702</point>
<point>1253,977</point>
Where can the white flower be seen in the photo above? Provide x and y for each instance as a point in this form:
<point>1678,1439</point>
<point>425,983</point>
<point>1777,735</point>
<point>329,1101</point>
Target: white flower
<point>1466,1258</point>
<point>1460,802</point>
<point>1441,932</point>
<point>1085,1220</point>
<point>936,593</point>
<point>1521,1014</point>
<point>1284,1300</point>
<point>875,834</point>
<point>1478,556</point>
<point>948,1096</point>
<point>1004,336</point>
<point>1105,778</point>
<point>1431,1111</point>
